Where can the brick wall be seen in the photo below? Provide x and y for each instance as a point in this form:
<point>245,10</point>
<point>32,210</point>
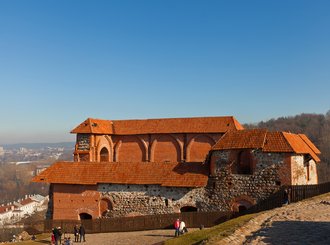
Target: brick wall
<point>71,200</point>
<point>153,147</point>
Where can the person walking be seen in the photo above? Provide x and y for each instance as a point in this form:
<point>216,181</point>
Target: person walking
<point>183,229</point>
<point>82,233</point>
<point>286,196</point>
<point>177,227</point>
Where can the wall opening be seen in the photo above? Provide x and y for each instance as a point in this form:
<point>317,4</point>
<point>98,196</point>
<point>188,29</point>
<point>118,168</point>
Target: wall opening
<point>83,216</point>
<point>104,155</point>
<point>241,208</point>
<point>188,209</point>
<point>105,206</point>
<point>241,205</point>
<point>245,162</point>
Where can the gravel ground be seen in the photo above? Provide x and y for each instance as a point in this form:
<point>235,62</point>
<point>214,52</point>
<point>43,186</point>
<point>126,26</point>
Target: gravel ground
<point>127,238</point>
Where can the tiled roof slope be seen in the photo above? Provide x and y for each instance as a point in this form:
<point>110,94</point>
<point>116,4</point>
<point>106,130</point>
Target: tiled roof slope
<point>267,142</point>
<point>309,143</point>
<point>3,208</point>
<point>241,139</point>
<point>26,201</point>
<point>165,125</point>
<point>91,173</point>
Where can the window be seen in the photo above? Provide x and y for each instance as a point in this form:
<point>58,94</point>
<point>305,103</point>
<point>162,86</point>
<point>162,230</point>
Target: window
<point>307,172</point>
<point>104,155</point>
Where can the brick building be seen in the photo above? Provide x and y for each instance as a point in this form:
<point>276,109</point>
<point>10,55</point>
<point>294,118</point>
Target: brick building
<point>140,167</point>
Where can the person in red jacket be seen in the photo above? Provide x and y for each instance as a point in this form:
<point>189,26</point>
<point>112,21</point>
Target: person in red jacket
<point>177,227</point>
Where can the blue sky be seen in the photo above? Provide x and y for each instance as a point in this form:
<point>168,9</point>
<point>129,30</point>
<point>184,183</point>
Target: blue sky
<point>64,61</point>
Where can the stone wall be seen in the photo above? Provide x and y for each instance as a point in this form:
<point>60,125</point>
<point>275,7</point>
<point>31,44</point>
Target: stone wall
<point>130,200</point>
<point>226,189</point>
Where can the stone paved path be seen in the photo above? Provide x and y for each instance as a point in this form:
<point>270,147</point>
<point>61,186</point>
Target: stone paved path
<point>306,222</point>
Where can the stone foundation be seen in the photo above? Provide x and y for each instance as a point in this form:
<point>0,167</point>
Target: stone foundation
<point>129,200</point>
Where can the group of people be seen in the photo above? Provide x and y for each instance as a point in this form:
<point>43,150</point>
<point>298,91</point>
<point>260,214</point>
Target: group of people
<point>180,227</point>
<point>78,232</point>
<point>56,236</point>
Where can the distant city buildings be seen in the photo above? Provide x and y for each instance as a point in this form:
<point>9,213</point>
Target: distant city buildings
<point>23,155</point>
<point>13,212</point>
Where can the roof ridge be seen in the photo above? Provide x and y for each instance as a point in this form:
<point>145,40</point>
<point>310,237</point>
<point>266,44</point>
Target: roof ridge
<point>265,139</point>
<point>90,124</point>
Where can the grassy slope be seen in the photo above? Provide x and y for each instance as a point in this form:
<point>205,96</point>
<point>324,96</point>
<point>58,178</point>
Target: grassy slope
<point>212,234</point>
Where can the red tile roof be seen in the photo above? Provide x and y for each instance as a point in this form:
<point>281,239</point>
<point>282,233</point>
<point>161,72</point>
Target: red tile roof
<point>3,208</point>
<point>165,125</point>
<point>300,146</point>
<point>26,201</point>
<point>241,139</point>
<point>309,143</point>
<point>267,142</point>
<point>92,173</point>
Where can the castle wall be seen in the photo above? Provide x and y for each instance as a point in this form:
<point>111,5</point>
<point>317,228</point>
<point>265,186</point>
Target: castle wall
<point>71,200</point>
<point>122,200</point>
<point>130,200</point>
<point>228,190</point>
<point>140,148</point>
<point>303,172</point>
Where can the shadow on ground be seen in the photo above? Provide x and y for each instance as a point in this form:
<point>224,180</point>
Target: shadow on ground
<point>159,235</point>
<point>293,232</point>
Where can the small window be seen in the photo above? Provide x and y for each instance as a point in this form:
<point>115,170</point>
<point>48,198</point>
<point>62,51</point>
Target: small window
<point>307,172</point>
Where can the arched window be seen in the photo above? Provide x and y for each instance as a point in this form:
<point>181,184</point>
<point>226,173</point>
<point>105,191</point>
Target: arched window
<point>241,205</point>
<point>83,216</point>
<point>104,155</point>
<point>245,162</point>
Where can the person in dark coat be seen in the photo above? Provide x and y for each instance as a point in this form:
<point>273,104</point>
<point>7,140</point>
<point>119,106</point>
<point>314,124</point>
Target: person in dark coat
<point>82,233</point>
<point>56,236</point>
<point>76,233</point>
